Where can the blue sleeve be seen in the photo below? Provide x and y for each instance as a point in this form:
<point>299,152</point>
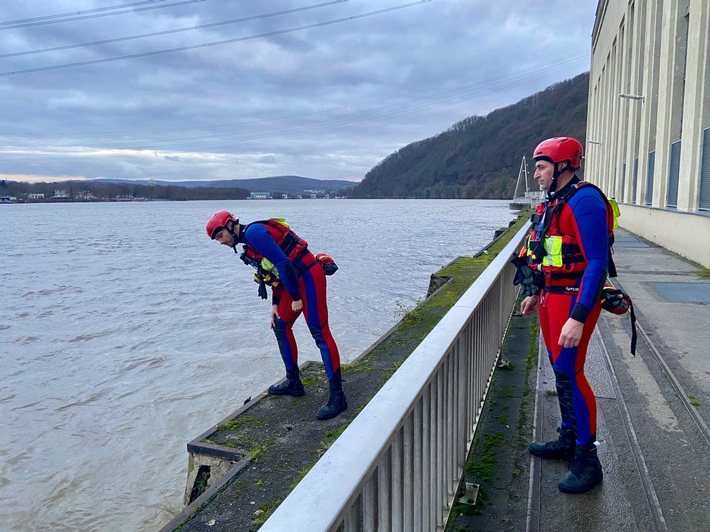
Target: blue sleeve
<point>258,237</point>
<point>590,218</point>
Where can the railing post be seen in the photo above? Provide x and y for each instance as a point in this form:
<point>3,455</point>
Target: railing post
<point>369,505</point>
<point>397,491</point>
<point>407,467</point>
<point>417,460</point>
<point>384,492</point>
<point>426,453</point>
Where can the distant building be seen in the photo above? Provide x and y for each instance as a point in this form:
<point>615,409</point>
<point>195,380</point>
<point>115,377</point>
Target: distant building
<point>35,196</point>
<point>260,195</point>
<point>61,194</point>
<point>86,195</point>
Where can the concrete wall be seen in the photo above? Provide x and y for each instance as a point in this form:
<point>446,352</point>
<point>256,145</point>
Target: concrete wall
<point>686,234</point>
<point>215,467</point>
<point>656,52</point>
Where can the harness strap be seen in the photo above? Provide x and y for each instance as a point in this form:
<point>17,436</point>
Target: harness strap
<point>299,266</point>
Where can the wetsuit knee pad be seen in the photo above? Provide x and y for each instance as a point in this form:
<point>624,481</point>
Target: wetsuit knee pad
<point>279,326</point>
<point>565,362</point>
<point>316,333</point>
<point>563,382</point>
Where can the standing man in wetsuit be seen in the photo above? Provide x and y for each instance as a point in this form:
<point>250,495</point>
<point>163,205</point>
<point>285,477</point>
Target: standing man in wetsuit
<point>283,261</point>
<point>568,259</point>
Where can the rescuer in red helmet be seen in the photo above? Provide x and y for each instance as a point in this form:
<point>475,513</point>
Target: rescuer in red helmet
<point>562,271</point>
<point>297,280</point>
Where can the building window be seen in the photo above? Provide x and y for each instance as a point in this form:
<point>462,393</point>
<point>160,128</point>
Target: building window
<point>649,178</point>
<point>704,199</point>
<point>673,175</point>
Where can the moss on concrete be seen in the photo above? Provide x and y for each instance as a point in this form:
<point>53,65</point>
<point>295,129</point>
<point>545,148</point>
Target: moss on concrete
<point>497,461</point>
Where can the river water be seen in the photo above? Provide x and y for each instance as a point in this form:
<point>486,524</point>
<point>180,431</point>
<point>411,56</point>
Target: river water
<point>125,332</point>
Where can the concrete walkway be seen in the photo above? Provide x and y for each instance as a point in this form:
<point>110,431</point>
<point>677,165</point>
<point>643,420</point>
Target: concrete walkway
<point>653,409</point>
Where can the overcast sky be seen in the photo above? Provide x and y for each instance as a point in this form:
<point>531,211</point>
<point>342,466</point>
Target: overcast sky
<point>229,89</point>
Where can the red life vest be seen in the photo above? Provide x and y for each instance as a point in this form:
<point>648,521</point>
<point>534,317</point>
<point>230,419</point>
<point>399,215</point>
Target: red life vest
<point>554,249</point>
<point>291,244</point>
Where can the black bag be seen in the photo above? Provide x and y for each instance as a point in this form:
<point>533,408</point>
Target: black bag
<point>618,302</point>
<point>328,264</point>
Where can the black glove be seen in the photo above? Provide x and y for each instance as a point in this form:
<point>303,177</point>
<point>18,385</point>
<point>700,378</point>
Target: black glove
<point>530,281</point>
<point>262,290</point>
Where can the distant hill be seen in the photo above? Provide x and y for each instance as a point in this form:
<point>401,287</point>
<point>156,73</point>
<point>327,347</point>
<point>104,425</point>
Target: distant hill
<point>480,156</point>
<point>287,184</point>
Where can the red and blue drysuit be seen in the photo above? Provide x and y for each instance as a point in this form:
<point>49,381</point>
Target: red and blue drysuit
<point>300,277</point>
<point>574,228</point>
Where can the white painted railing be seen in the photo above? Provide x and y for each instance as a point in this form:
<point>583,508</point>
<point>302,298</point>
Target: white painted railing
<point>399,463</point>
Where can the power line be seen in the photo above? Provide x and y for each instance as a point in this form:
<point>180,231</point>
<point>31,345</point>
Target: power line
<point>60,15</point>
<point>89,13</point>
<point>177,30</point>
<point>327,121</point>
<point>337,123</point>
<point>214,43</point>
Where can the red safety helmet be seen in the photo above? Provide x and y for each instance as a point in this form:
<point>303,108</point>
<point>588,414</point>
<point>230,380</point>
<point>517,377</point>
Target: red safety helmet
<point>558,149</point>
<point>219,222</point>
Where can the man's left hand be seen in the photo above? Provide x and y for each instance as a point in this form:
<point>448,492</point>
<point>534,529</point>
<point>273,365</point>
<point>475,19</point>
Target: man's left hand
<point>571,333</point>
<point>274,315</point>
<point>297,306</point>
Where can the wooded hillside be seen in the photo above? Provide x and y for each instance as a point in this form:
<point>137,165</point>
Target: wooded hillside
<point>479,157</point>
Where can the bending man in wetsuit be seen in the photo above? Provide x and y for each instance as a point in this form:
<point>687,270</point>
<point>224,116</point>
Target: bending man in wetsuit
<point>283,261</point>
<point>568,253</point>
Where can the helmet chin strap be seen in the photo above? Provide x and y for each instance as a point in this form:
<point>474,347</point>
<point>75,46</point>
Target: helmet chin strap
<point>557,173</point>
<point>230,228</point>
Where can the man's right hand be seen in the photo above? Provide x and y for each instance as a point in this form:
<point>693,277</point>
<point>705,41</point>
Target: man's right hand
<point>528,305</point>
<point>274,315</point>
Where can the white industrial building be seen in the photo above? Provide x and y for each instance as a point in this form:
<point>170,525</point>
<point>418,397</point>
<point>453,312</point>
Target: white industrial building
<point>648,125</point>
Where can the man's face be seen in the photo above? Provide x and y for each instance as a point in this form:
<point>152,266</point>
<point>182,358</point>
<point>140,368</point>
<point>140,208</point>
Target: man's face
<point>225,238</point>
<point>544,171</point>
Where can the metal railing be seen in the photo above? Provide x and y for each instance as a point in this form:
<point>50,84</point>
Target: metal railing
<point>399,464</point>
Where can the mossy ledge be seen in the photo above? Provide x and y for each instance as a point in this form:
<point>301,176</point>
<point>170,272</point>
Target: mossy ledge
<point>272,442</point>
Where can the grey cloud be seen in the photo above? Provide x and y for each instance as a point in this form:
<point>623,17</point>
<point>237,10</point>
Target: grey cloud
<point>327,102</point>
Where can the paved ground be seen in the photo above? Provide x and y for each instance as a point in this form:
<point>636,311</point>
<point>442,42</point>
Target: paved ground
<point>653,412</point>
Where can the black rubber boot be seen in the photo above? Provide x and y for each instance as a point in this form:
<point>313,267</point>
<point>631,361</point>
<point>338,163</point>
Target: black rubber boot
<point>337,401</point>
<point>291,386</point>
<point>336,404</point>
<point>560,449</point>
<point>585,471</point>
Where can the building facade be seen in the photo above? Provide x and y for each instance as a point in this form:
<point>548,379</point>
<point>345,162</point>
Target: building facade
<point>260,195</point>
<point>648,123</point>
